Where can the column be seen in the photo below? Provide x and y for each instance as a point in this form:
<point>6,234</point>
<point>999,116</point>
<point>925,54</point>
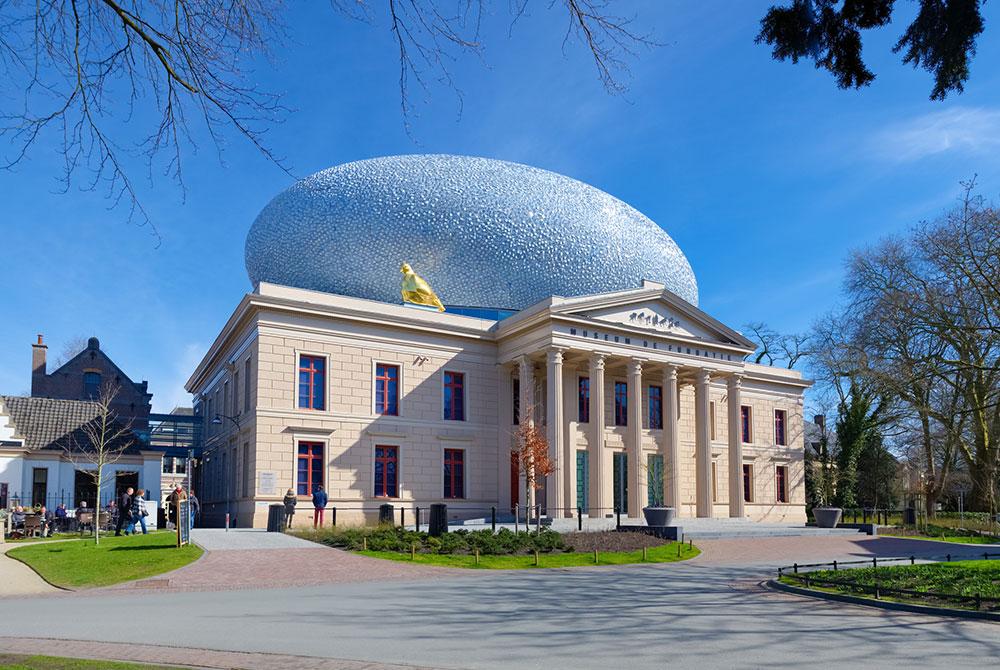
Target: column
<point>637,497</point>
<point>670,440</point>
<point>526,413</point>
<point>735,447</point>
<point>599,504</point>
<point>702,445</point>
<point>556,434</point>
<point>506,420</point>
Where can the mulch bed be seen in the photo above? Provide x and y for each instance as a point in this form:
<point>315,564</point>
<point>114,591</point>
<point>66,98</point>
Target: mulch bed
<point>611,541</point>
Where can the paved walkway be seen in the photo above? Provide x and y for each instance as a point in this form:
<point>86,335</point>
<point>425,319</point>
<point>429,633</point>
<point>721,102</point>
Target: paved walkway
<point>17,579</point>
<point>705,613</point>
<point>255,559</point>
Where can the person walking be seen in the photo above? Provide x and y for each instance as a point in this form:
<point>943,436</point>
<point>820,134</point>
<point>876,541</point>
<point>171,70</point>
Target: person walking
<point>195,506</point>
<point>289,501</point>
<point>124,506</point>
<point>319,506</point>
<point>138,513</point>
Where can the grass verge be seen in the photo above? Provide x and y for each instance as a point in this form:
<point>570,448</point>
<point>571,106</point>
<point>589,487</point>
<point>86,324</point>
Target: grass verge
<point>82,564</point>
<point>964,578</point>
<point>665,553</point>
<point>19,662</point>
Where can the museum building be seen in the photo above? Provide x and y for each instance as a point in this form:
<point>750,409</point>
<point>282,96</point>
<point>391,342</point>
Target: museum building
<point>563,306</point>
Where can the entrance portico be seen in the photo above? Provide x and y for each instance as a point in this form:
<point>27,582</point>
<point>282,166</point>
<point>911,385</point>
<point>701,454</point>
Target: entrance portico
<point>616,380</point>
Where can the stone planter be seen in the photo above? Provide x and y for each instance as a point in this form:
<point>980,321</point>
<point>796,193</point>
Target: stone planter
<point>658,516</point>
<point>827,517</point>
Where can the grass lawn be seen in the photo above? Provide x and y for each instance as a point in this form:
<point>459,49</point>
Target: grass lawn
<point>942,533</point>
<point>968,539</point>
<point>666,553</point>
<point>17,662</point>
<point>81,564</point>
<point>966,578</point>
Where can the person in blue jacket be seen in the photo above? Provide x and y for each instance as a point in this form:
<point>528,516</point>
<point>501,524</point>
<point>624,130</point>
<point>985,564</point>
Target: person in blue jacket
<point>319,506</point>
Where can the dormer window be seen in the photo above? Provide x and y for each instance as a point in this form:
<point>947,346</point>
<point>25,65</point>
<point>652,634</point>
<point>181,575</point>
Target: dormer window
<point>91,385</point>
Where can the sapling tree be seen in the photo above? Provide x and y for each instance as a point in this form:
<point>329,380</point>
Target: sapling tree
<point>99,443</point>
<point>531,450</point>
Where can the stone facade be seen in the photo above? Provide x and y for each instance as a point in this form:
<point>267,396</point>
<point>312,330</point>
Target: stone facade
<point>249,377</point>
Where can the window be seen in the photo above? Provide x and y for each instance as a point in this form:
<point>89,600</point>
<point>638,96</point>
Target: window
<point>387,389</point>
<point>621,404</point>
<point>180,465</point>
<point>39,486</point>
<point>583,399</point>
<point>236,393</point>
<point>454,473</point>
<point>312,382</point>
<point>715,482</point>
<point>745,424</point>
<point>226,407</point>
<point>781,483</point>
<point>747,482</point>
<point>310,471</point>
<point>386,472</point>
<point>515,388</point>
<point>246,386</point>
<point>656,407</point>
<point>91,384</point>
<point>779,427</point>
<point>168,465</point>
<point>654,479</point>
<point>454,396</point>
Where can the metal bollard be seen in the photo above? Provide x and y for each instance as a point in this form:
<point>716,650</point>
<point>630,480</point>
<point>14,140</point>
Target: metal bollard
<point>835,566</point>
<point>579,518</point>
<point>417,512</point>
<point>402,517</point>
<point>618,518</point>
<point>795,568</point>
<point>874,562</point>
<point>493,518</point>
<point>913,560</point>
<point>333,517</point>
<point>538,519</point>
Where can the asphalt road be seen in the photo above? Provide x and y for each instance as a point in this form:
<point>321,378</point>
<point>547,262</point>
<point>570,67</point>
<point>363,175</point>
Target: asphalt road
<point>703,615</point>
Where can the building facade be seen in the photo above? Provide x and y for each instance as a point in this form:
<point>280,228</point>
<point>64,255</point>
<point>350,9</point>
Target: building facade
<point>642,396</point>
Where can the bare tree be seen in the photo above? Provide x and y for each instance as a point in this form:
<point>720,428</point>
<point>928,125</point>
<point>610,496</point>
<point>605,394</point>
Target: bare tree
<point>101,443</point>
<point>767,340</point>
<point>70,348</point>
<point>84,68</point>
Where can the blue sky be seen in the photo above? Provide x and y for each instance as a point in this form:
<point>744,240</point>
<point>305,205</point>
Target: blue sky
<point>764,173</point>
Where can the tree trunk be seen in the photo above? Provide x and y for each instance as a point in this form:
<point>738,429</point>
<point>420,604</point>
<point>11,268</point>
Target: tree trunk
<point>930,504</point>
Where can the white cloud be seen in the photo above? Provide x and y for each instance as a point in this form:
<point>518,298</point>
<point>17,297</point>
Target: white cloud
<point>971,130</point>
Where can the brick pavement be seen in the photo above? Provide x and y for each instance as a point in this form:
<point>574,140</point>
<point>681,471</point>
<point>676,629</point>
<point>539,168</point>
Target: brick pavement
<point>187,658</point>
<point>280,568</point>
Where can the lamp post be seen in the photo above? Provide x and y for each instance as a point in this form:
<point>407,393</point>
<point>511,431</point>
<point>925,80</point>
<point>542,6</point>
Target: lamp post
<point>217,421</point>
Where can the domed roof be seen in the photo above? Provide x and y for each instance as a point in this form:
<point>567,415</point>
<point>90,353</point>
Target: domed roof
<point>482,232</point>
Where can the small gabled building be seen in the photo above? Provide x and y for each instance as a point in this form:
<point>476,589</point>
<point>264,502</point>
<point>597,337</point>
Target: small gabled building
<point>38,437</point>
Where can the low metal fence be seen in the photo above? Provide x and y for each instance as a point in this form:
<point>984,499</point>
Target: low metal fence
<point>806,574</point>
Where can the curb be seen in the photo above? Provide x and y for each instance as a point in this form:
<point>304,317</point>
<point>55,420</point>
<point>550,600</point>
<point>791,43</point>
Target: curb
<point>930,610</point>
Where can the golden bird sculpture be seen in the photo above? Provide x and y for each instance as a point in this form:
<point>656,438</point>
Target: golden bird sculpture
<point>417,291</point>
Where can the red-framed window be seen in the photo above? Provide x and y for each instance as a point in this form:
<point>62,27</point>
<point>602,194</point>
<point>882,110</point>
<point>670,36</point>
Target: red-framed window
<point>454,473</point>
<point>747,482</point>
<point>781,483</point>
<point>312,382</point>
<point>656,407</point>
<point>387,389</point>
<point>583,399</point>
<point>454,396</point>
<point>745,424</point>
<point>621,404</point>
<point>310,467</point>
<point>386,472</point>
<point>779,427</point>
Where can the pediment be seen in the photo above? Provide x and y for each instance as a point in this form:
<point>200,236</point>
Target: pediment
<point>662,314</point>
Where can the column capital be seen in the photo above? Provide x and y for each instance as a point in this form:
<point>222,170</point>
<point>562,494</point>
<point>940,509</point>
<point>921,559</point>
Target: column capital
<point>597,360</point>
<point>703,375</point>
<point>735,381</point>
<point>554,354</point>
<point>670,370</point>
<point>635,365</point>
